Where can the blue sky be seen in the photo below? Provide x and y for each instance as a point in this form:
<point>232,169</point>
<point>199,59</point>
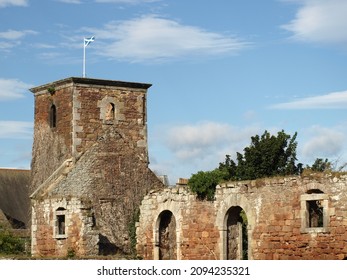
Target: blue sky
<point>222,71</point>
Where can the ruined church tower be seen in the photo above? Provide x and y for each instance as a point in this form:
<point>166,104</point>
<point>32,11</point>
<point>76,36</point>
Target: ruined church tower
<point>71,114</point>
<point>89,152</point>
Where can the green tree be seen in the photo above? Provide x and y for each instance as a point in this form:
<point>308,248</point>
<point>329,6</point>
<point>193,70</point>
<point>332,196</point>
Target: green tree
<point>204,183</point>
<point>321,165</point>
<point>268,155</point>
<point>228,168</point>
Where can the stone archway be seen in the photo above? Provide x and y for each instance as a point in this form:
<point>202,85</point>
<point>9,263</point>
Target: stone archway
<point>167,240</point>
<point>236,234</point>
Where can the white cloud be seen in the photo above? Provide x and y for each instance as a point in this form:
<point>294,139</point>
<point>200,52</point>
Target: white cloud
<point>12,89</point>
<point>6,3</point>
<point>324,142</point>
<point>7,45</point>
<point>188,139</point>
<point>15,34</point>
<point>126,1</point>
<point>334,100</point>
<point>131,2</point>
<point>205,144</point>
<point>320,21</point>
<point>71,1</point>
<point>151,38</point>
<point>16,130</point>
<point>44,46</point>
<point>11,38</point>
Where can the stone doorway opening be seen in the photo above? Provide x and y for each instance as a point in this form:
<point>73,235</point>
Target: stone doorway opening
<point>166,236</point>
<point>236,234</point>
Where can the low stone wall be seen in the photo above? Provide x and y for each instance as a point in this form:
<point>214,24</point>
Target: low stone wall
<point>277,213</point>
<point>77,237</point>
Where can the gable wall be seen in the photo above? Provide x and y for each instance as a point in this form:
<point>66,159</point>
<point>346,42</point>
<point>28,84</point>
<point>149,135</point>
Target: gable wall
<point>111,178</point>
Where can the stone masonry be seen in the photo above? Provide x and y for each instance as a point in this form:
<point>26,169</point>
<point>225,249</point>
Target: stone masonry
<point>90,179</point>
<point>89,166</point>
<point>278,216</point>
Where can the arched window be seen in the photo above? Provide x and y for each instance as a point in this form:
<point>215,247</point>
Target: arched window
<point>236,234</point>
<point>53,116</point>
<point>110,112</point>
<point>166,238</point>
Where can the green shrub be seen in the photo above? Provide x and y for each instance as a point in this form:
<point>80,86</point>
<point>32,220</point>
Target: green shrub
<point>10,244</point>
<point>204,183</point>
<point>71,254</point>
<point>132,230</point>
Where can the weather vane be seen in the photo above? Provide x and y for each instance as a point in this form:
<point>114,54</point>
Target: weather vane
<point>87,41</point>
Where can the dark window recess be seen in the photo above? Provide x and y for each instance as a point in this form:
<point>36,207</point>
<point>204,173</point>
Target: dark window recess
<point>53,116</point>
<point>110,112</point>
<point>61,224</point>
<point>315,213</point>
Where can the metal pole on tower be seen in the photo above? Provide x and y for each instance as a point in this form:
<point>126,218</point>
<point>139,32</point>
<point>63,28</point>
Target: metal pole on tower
<point>84,59</point>
<point>86,42</point>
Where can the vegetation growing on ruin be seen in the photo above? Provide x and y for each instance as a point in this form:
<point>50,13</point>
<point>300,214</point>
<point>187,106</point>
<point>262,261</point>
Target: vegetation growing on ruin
<point>132,230</point>
<point>204,183</point>
<point>266,156</point>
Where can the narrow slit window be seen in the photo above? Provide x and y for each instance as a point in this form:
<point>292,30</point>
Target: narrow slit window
<point>144,110</point>
<point>53,116</point>
<point>60,223</point>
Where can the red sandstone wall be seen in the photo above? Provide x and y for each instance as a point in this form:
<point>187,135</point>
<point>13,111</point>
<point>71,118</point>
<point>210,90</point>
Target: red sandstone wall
<point>200,235</point>
<point>128,116</point>
<point>278,234</point>
<point>274,212</point>
<point>80,240</point>
<point>51,145</point>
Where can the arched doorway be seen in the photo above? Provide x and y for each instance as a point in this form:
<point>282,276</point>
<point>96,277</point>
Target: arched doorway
<point>167,236</point>
<point>236,234</point>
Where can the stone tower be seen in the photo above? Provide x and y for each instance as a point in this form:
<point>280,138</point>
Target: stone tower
<point>71,114</point>
<point>89,152</point>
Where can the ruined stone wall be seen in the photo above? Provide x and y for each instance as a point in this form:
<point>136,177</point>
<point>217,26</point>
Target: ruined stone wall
<point>276,214</point>
<point>277,231</point>
<point>197,235</point>
<point>112,179</point>
<point>51,146</point>
<point>80,237</point>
